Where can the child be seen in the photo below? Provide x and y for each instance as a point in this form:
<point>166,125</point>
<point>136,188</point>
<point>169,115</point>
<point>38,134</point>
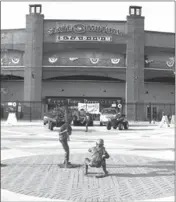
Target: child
<point>99,156</point>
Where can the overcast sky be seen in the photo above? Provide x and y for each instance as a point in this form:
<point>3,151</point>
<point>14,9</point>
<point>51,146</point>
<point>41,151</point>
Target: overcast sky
<point>159,16</point>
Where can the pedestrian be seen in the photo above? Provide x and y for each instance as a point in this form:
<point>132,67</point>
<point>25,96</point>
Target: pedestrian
<point>85,118</point>
<point>98,157</point>
<point>164,120</point>
<point>64,133</point>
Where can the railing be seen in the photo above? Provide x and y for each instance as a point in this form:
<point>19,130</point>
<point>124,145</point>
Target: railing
<point>35,110</point>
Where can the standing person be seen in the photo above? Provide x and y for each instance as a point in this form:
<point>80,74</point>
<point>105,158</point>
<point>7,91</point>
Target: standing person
<point>164,120</point>
<point>98,157</point>
<point>85,117</point>
<point>64,133</point>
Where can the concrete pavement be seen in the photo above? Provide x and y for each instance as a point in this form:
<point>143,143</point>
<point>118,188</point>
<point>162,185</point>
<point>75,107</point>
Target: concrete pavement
<point>96,123</point>
<point>141,159</point>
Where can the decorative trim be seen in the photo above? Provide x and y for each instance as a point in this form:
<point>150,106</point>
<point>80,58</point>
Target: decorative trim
<point>170,62</point>
<point>11,66</point>
<point>6,60</point>
<point>64,66</point>
<point>79,29</point>
<point>94,60</point>
<point>52,59</point>
<point>160,69</point>
<point>115,60</point>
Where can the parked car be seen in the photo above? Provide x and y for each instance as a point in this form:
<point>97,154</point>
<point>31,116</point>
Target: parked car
<point>106,114</point>
<point>78,118</point>
<point>119,121</point>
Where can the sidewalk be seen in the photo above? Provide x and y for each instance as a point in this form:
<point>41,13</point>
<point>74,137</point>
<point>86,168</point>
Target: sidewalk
<point>96,123</point>
<point>32,174</point>
<point>24,123</point>
<point>39,176</point>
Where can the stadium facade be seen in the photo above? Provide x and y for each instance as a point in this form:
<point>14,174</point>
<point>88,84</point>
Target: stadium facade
<point>108,62</point>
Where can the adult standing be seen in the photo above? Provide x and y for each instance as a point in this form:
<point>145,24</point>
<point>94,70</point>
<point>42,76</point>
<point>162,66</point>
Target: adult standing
<point>164,120</point>
<point>85,118</point>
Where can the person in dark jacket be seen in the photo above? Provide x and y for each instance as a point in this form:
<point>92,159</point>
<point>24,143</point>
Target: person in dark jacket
<point>64,133</point>
<point>85,118</point>
<point>98,157</point>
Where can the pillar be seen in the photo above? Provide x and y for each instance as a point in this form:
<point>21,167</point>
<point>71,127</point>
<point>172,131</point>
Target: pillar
<point>33,58</point>
<point>135,65</point>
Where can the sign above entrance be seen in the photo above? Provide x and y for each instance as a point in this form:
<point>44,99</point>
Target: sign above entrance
<point>74,101</point>
<point>84,38</point>
<point>90,107</point>
<point>81,28</point>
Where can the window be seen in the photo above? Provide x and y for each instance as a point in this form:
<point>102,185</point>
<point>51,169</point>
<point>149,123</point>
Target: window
<point>109,111</point>
<point>132,11</point>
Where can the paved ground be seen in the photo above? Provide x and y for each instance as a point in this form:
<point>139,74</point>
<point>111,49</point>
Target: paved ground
<point>141,165</point>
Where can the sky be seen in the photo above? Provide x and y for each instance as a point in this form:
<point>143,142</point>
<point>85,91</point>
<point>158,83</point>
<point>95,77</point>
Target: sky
<point>159,16</point>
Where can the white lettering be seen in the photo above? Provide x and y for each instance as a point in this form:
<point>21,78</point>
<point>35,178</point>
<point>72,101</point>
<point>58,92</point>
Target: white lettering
<point>84,38</point>
<point>77,38</point>
<point>65,37</point>
<point>108,38</point>
<point>99,38</point>
<point>88,28</point>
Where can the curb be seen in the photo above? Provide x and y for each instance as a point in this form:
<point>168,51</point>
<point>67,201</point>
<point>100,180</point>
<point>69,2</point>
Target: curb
<point>133,124</point>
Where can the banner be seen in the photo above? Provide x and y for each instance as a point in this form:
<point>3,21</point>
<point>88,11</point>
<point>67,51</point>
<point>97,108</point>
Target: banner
<point>170,62</point>
<point>73,59</point>
<point>92,108</point>
<point>115,60</point>
<point>53,59</point>
<point>94,60</point>
<point>4,91</point>
<point>15,60</point>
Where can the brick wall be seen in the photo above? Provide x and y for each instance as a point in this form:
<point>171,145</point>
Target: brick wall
<point>159,93</point>
<point>78,89</point>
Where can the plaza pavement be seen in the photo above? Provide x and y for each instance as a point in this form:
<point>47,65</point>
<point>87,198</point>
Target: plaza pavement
<point>142,156</point>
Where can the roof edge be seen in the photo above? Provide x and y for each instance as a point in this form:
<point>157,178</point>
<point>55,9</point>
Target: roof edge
<point>158,32</point>
<point>17,29</point>
<point>87,20</point>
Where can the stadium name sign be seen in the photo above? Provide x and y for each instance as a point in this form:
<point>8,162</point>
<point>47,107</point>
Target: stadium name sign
<point>81,28</point>
<point>84,38</point>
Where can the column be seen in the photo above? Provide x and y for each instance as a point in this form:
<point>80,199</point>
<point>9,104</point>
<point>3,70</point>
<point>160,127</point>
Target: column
<point>33,59</point>
<point>135,65</point>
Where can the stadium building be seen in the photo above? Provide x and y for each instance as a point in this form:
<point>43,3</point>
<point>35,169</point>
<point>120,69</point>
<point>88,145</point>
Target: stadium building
<point>53,62</point>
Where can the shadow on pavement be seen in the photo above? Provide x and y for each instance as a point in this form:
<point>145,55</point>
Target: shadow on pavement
<point>139,129</point>
<point>161,168</point>
<point>155,164</point>
<point>70,166</point>
<point>142,125</point>
<point>152,149</point>
<point>149,174</point>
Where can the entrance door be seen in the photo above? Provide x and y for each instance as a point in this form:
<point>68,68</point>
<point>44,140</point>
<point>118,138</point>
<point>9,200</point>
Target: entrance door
<point>151,113</point>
